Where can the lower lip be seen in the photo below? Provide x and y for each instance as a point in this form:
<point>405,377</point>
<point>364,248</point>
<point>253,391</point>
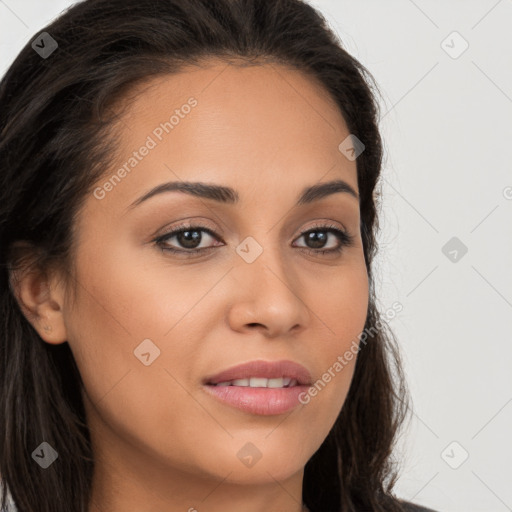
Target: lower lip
<point>263,401</point>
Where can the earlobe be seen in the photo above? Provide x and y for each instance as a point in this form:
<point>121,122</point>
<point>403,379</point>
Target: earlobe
<point>41,300</point>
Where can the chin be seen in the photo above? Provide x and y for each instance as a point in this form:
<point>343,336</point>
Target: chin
<point>273,464</point>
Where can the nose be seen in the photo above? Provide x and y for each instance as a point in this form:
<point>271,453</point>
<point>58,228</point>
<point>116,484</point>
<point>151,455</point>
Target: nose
<point>268,297</point>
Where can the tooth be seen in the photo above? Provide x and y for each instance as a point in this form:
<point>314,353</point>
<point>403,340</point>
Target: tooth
<point>275,383</point>
<point>261,382</point>
<point>241,382</point>
<point>258,382</point>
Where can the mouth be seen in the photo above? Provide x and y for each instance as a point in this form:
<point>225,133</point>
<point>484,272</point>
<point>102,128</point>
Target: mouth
<point>260,387</point>
<point>259,373</point>
<point>259,382</point>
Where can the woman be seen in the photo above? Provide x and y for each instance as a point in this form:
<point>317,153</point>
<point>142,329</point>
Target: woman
<point>188,224</point>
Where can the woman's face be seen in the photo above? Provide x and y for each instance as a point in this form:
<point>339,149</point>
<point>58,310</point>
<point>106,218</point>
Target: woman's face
<point>150,326</point>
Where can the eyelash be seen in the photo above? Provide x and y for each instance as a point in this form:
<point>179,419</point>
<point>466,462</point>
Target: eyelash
<point>345,239</point>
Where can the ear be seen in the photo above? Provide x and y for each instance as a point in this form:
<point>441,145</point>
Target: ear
<point>40,295</point>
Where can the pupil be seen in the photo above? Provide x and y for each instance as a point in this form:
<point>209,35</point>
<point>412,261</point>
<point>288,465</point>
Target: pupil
<point>318,240</point>
<point>189,239</point>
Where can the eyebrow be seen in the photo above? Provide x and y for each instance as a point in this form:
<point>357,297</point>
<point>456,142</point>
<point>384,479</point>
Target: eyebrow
<point>228,195</point>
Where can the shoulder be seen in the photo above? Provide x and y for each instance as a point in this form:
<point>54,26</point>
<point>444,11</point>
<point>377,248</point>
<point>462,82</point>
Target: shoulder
<point>412,507</point>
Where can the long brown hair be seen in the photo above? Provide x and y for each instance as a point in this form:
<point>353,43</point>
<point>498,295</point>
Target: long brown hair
<point>55,142</point>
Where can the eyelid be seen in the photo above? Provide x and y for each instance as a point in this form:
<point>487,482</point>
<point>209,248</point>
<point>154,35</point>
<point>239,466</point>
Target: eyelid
<point>325,225</point>
<point>190,225</point>
<point>186,226</point>
<point>345,239</point>
<point>183,225</point>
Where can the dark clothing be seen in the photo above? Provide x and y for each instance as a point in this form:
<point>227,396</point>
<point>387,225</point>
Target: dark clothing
<point>409,507</point>
<point>412,507</point>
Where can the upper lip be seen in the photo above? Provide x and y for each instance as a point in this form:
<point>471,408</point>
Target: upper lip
<point>263,369</point>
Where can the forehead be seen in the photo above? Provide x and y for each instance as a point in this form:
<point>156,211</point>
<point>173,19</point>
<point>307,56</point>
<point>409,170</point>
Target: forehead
<point>257,99</point>
<point>221,82</point>
<point>258,127</point>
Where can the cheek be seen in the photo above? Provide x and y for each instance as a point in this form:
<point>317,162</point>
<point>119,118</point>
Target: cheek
<point>341,305</point>
<point>121,302</point>
<point>342,312</point>
<point>113,315</point>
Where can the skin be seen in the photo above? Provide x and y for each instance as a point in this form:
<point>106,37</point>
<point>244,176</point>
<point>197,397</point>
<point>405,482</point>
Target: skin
<point>160,442</point>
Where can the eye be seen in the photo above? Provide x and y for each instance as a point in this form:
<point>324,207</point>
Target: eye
<point>318,236</point>
<point>189,240</point>
<point>189,237</point>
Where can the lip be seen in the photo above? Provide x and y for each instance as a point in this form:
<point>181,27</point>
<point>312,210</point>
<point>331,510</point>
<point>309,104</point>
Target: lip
<point>266,369</point>
<point>262,401</point>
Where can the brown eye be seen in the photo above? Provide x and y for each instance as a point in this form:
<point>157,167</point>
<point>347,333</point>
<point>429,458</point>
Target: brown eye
<point>316,239</point>
<point>188,239</point>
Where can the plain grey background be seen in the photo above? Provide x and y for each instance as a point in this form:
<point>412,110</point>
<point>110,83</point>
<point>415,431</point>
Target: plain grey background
<point>445,71</point>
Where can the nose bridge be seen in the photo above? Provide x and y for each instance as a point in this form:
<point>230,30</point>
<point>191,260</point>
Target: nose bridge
<point>271,294</point>
<point>269,271</point>
<point>263,261</point>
